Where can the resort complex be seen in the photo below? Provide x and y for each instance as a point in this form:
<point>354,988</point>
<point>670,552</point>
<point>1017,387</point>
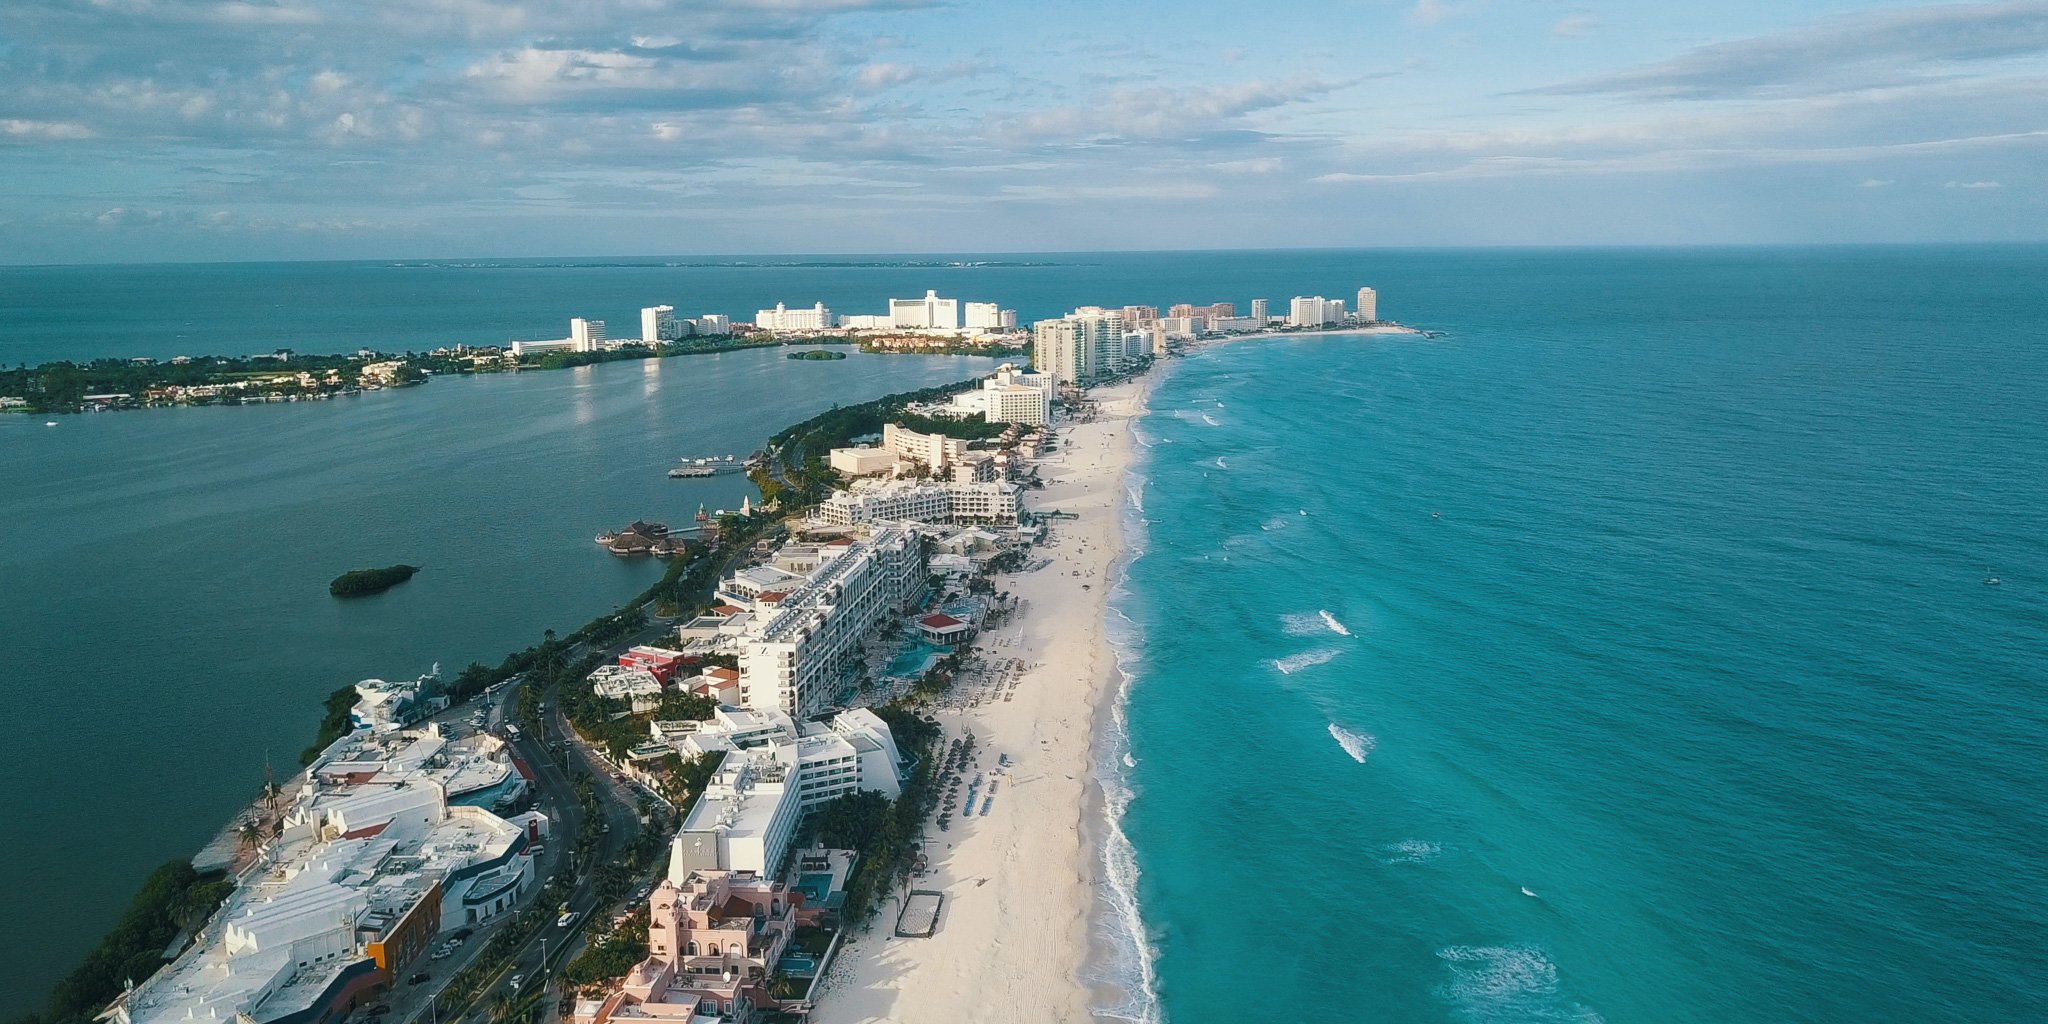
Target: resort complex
<point>833,681</point>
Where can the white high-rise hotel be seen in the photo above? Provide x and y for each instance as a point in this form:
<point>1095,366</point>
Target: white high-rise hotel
<point>586,335</point>
<point>782,318</point>
<point>1084,346</point>
<point>928,312</point>
<point>1368,305</point>
<point>795,656</point>
<point>658,323</point>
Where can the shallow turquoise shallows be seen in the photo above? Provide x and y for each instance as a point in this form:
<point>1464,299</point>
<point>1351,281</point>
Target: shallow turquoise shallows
<point>1625,654</point>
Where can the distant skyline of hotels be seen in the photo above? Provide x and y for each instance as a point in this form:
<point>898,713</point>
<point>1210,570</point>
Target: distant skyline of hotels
<point>1089,344</point>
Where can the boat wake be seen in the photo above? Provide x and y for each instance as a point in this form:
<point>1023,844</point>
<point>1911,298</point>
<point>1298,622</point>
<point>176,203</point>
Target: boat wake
<point>1274,523</point>
<point>1307,659</point>
<point>1335,626</point>
<point>1210,420</point>
<point>1357,744</point>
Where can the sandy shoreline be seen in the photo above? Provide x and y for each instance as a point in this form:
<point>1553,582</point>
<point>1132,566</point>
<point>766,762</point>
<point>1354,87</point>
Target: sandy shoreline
<point>1021,883</point>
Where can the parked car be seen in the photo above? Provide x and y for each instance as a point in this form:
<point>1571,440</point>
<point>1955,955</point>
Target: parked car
<point>417,979</point>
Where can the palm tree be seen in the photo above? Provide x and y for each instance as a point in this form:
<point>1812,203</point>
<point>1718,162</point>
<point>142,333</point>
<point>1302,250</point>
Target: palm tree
<point>250,834</point>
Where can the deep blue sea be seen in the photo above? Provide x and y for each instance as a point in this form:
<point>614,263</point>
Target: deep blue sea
<point>1624,654</point>
<point>1654,587</point>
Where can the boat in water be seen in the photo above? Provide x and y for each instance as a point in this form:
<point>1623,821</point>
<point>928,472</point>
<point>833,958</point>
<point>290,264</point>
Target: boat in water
<point>709,465</point>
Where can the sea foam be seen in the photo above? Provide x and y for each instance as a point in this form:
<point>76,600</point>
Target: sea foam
<point>1410,851</point>
<point>1331,621</point>
<point>1359,745</point>
<point>1296,662</point>
<point>1502,984</point>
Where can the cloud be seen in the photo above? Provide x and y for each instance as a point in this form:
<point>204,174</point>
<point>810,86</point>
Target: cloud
<point>1875,183</point>
<point>22,128</point>
<point>1428,13</point>
<point>1254,165</point>
<point>1973,184</point>
<point>1576,26</point>
<point>1849,51</point>
<point>1158,112</point>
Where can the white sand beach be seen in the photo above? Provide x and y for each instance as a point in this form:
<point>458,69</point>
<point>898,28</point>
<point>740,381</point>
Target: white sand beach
<point>1020,881</point>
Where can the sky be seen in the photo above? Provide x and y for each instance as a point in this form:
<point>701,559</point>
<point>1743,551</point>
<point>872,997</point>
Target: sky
<point>148,130</point>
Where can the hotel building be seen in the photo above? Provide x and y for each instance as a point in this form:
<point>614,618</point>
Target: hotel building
<point>658,324</point>
<point>1314,311</point>
<point>992,502</point>
<point>782,318</point>
<point>795,656</point>
<point>713,939</point>
<point>372,865</point>
<point>930,312</point>
<point>1009,396</point>
<point>1368,305</point>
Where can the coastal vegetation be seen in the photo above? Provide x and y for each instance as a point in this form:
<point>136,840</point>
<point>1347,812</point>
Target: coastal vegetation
<point>886,833</point>
<point>822,354</point>
<point>174,898</point>
<point>802,449</point>
<point>967,428</point>
<point>334,722</point>
<point>364,582</point>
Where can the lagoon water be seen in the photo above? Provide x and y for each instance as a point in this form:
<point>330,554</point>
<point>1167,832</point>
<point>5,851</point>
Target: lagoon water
<point>167,621</point>
<point>1624,654</point>
<point>1695,647</point>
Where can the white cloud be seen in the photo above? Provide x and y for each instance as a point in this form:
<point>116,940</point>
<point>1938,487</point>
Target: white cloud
<point>1974,184</point>
<point>1875,183</point>
<point>1576,26</point>
<point>22,128</point>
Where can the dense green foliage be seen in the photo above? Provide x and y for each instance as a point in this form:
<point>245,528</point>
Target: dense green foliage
<point>174,897</point>
<point>966,428</point>
<point>334,720</point>
<point>610,954</point>
<point>817,354</point>
<point>885,833</point>
<point>803,448</point>
<point>363,582</point>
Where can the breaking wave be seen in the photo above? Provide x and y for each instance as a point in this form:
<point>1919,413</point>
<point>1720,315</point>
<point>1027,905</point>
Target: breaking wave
<point>1359,745</point>
<point>1296,662</point>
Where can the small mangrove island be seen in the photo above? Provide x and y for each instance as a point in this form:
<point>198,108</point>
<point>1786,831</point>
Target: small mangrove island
<point>364,582</point>
<point>817,353</point>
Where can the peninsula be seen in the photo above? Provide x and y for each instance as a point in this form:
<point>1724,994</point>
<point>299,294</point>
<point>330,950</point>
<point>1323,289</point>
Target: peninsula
<point>840,762</point>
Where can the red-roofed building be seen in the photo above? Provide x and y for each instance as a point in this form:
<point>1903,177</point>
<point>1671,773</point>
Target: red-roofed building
<point>941,628</point>
<point>660,661</point>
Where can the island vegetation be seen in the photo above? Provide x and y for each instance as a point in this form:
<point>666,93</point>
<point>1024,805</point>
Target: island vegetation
<point>364,582</point>
<point>819,354</point>
<point>173,899</point>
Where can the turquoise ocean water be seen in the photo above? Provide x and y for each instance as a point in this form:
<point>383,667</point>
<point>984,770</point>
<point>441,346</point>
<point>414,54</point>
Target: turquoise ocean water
<point>1696,649</point>
<point>1624,654</point>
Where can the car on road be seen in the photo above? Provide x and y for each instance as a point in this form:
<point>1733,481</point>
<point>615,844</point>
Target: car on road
<point>568,918</point>
<point>514,983</point>
<point>418,979</point>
